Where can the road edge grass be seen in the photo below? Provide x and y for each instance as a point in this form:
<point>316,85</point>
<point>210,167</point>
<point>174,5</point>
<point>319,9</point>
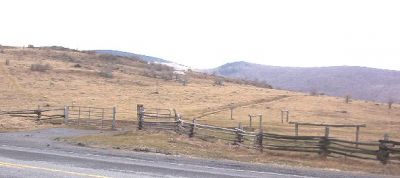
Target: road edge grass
<point>171,143</point>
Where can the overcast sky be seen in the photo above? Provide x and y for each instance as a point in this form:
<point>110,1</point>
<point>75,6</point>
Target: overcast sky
<point>205,34</point>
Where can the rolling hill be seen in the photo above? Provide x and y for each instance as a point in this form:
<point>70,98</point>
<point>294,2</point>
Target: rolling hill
<point>143,58</point>
<point>358,82</point>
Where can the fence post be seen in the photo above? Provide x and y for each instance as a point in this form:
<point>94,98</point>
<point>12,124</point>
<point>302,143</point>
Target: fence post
<point>357,135</point>
<point>39,113</point>
<point>192,128</point>
<point>296,129</point>
<point>89,112</point>
<point>285,113</point>
<point>324,144</point>
<point>383,154</point>
<point>287,116</point>
<point>326,132</point>
<point>79,115</point>
<point>259,140</point>
<point>175,114</point>
<point>114,117</point>
<point>140,113</point>
<point>102,118</point>
<point>239,135</point>
<point>178,123</point>
<point>261,118</point>
<point>231,108</point>
<point>250,121</point>
<point>66,114</point>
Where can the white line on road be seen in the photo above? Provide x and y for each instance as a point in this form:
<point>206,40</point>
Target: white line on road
<point>78,155</point>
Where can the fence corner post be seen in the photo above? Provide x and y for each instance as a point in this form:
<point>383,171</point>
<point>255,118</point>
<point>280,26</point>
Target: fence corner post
<point>114,117</point>
<point>383,154</point>
<point>66,114</point>
<point>324,144</point>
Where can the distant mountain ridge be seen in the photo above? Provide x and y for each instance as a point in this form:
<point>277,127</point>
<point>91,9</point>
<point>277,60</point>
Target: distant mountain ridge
<point>358,82</point>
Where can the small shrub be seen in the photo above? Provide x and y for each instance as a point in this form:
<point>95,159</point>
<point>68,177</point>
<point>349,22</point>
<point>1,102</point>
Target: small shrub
<point>167,75</point>
<point>106,71</point>
<point>219,81</point>
<point>160,67</point>
<point>77,66</point>
<point>40,67</point>
<point>149,73</point>
<point>183,81</point>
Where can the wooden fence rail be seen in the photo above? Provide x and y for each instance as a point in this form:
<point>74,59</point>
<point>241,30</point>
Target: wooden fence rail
<point>35,114</point>
<point>104,118</point>
<point>384,150</point>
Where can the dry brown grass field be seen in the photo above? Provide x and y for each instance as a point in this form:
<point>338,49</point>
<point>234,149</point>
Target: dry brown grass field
<point>68,84</point>
<point>65,84</point>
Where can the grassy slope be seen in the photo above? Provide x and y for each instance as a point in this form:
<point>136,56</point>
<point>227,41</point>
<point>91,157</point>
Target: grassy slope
<point>65,84</point>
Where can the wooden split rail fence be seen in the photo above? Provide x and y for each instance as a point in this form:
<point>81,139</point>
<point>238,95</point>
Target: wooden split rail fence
<point>39,114</point>
<point>384,150</point>
<point>103,118</point>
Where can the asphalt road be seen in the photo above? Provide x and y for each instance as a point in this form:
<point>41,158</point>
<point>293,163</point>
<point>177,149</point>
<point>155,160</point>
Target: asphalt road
<point>37,154</point>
